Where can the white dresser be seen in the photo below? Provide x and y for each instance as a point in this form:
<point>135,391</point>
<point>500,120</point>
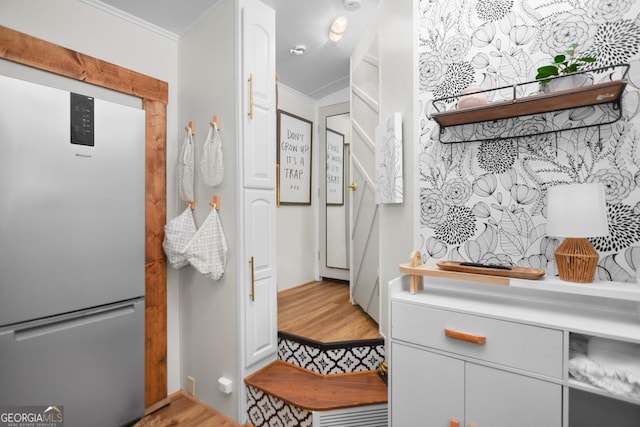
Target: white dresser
<point>470,354</point>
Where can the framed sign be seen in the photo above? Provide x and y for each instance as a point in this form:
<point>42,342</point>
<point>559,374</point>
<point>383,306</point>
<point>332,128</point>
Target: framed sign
<point>388,157</point>
<point>335,168</point>
<point>294,159</point>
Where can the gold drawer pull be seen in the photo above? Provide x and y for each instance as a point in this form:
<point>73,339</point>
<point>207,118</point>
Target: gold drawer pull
<point>463,336</point>
<point>250,96</point>
<point>252,261</point>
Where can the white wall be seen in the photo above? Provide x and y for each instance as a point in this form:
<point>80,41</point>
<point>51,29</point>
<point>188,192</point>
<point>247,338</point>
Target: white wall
<point>394,27</point>
<point>296,225</point>
<point>78,26</point>
<point>209,310</point>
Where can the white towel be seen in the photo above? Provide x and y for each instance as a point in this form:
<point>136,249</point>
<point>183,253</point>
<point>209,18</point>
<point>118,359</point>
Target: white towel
<point>211,163</point>
<point>207,249</point>
<point>586,370</point>
<point>620,357</point>
<point>185,169</point>
<point>613,366</point>
<point>177,233</point>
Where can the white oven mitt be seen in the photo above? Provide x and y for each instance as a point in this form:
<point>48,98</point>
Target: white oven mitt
<point>207,250</point>
<point>185,169</point>
<point>177,233</point>
<point>211,164</point>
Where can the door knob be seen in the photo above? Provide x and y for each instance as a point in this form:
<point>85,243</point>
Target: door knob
<point>353,186</point>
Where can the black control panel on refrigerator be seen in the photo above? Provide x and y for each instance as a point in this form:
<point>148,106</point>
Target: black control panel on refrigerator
<point>82,120</point>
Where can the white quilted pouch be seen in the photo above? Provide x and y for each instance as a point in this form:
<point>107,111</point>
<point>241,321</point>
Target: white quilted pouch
<point>211,163</point>
<point>185,169</point>
<point>177,233</point>
<point>207,250</point>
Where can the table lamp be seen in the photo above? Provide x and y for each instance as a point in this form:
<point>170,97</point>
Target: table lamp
<point>577,211</point>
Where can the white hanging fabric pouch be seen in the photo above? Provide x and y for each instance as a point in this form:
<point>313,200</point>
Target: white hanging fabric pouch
<point>207,249</point>
<point>211,163</point>
<point>185,169</point>
<point>177,233</point>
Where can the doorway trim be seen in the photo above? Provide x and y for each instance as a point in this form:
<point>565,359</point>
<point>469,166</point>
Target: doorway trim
<point>27,50</point>
<point>323,113</point>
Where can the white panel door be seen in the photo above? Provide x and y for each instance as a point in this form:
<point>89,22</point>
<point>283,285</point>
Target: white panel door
<point>364,242</point>
<point>259,71</point>
<point>365,250</point>
<point>260,293</point>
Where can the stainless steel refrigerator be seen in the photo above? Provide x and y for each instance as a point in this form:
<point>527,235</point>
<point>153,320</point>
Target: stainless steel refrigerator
<point>71,254</point>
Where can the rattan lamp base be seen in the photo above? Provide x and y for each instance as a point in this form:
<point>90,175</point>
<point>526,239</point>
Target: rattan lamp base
<point>577,260</point>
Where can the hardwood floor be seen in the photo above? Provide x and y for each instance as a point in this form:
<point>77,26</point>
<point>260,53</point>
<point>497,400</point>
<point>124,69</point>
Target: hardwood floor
<point>185,411</point>
<point>322,311</point>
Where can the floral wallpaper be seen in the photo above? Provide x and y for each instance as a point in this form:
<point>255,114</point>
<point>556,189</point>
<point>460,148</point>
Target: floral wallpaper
<point>486,201</point>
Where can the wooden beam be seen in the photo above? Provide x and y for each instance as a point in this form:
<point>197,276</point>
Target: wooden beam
<point>28,50</point>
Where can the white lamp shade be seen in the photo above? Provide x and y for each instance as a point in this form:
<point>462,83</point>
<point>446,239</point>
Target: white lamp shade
<point>577,210</point>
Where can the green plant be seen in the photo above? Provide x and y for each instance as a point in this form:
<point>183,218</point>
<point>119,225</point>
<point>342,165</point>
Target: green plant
<point>563,64</point>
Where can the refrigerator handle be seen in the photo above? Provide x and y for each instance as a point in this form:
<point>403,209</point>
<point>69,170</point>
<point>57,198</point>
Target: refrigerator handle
<point>60,323</point>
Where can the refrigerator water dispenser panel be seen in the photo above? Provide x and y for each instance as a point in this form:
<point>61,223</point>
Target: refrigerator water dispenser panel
<point>82,120</point>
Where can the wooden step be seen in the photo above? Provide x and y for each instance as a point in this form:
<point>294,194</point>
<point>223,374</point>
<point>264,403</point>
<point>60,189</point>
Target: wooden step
<point>315,392</point>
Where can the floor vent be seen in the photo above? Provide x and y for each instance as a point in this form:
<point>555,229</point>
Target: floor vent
<point>363,416</point>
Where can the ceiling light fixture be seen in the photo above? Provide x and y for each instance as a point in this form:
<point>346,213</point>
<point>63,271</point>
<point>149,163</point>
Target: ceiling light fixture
<point>352,5</point>
<point>338,28</point>
<point>298,50</point>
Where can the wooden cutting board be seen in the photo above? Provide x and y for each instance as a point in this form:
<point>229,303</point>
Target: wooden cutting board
<point>516,272</point>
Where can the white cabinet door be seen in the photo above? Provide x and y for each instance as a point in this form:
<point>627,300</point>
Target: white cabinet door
<point>260,292</point>
<point>258,153</point>
<point>427,389</point>
<point>258,74</point>
<point>496,398</point>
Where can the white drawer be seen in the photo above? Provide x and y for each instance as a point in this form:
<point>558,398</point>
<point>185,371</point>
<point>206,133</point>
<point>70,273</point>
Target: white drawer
<point>517,345</point>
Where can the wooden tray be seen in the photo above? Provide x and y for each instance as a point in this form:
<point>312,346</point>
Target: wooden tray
<point>516,272</point>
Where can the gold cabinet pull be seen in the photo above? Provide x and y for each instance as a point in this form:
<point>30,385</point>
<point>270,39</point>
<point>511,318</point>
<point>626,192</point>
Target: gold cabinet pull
<point>353,186</point>
<point>463,336</point>
<point>253,281</point>
<point>251,96</point>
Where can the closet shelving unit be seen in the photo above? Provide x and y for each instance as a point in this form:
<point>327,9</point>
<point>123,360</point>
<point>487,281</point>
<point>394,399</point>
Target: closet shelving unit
<point>609,92</point>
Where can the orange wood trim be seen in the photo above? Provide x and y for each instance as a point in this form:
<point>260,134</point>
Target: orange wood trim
<point>28,50</point>
<point>454,422</point>
<point>37,53</point>
<point>156,179</point>
<point>155,354</point>
<point>314,392</point>
<point>416,282</point>
<point>215,202</point>
<point>215,120</point>
<point>463,336</point>
<point>429,270</point>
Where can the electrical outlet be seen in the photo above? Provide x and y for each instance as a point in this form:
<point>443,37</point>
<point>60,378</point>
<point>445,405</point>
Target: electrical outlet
<point>192,385</point>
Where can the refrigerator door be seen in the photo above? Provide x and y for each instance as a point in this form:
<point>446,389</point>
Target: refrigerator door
<point>90,362</point>
<point>71,216</point>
